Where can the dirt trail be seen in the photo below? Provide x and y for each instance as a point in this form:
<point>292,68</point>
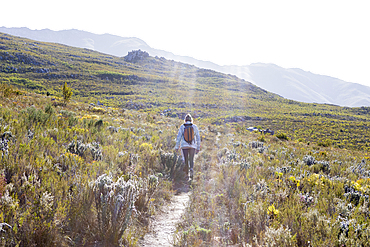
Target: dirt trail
<point>164,224</point>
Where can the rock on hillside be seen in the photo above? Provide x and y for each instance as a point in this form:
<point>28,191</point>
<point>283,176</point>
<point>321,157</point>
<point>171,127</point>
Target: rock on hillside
<point>135,56</point>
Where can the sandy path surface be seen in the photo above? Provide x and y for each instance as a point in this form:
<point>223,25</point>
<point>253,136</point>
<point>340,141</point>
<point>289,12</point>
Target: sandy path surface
<point>164,225</point>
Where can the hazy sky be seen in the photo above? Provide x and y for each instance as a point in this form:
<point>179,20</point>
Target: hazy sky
<point>324,37</point>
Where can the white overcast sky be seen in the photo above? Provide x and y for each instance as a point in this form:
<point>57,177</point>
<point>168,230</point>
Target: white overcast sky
<point>324,37</point>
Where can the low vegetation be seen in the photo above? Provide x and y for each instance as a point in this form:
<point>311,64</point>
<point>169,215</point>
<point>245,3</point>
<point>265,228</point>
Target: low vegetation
<point>72,177</point>
<point>276,193</point>
<point>92,167</point>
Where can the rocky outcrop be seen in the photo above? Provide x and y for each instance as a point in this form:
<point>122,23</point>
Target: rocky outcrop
<point>135,56</point>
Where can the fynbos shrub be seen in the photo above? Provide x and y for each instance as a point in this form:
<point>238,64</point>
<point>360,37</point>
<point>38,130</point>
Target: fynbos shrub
<point>309,160</point>
<point>83,150</point>
<point>4,148</point>
<point>321,166</point>
<point>256,144</point>
<point>279,237</point>
<point>171,163</point>
<point>282,136</point>
<point>114,202</point>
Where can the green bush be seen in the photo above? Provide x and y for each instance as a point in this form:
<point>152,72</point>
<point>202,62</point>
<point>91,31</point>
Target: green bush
<point>325,143</point>
<point>67,93</point>
<point>282,136</point>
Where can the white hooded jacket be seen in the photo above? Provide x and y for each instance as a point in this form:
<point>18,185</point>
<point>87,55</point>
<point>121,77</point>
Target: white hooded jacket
<point>180,141</point>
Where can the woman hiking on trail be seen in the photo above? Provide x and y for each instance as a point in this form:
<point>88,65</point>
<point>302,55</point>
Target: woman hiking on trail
<point>188,140</point>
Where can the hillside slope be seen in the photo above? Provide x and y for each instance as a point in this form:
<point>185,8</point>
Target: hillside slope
<point>77,175</point>
<point>294,84</point>
<point>158,86</point>
<point>94,171</point>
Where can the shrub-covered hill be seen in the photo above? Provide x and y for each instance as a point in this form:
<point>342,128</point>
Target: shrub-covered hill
<point>156,85</point>
<point>48,65</point>
<point>82,174</point>
<point>79,175</point>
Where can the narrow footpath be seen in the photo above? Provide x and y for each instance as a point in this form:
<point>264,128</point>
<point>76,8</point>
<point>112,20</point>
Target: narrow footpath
<point>165,222</point>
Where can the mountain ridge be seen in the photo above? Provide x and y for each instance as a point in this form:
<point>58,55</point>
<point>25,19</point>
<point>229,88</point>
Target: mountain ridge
<point>292,83</point>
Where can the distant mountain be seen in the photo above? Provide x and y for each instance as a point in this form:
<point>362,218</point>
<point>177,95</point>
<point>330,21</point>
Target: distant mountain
<point>105,43</point>
<point>300,85</point>
<point>294,84</point>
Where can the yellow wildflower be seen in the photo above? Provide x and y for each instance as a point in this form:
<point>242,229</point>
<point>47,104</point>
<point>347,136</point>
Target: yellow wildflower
<point>271,210</point>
